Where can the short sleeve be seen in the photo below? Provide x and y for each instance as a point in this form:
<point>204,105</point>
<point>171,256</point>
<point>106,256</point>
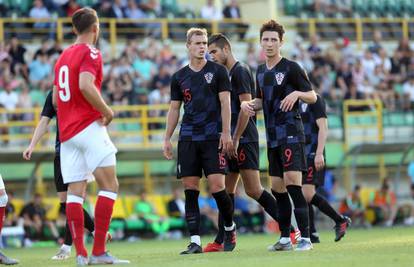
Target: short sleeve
<point>92,61</point>
<point>176,94</point>
<point>319,108</point>
<point>48,109</point>
<point>259,93</point>
<point>241,81</point>
<point>223,81</point>
<point>299,79</point>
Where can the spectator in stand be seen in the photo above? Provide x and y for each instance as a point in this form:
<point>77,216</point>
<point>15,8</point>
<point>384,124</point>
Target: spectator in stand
<point>376,45</point>
<point>17,52</point>
<point>39,11</point>
<point>315,51</point>
<point>176,212</point>
<point>387,94</point>
<point>344,78</point>
<point>408,91</point>
<point>55,50</point>
<point>161,79</point>
<point>209,213</point>
<point>117,10</point>
<point>39,69</point>
<point>352,207</point>
<point>406,52</point>
<point>232,11</point>
<point>11,217</point>
<point>210,11</point>
<point>410,171</point>
<point>25,102</point>
<point>43,49</point>
<point>71,7</point>
<point>34,219</point>
<point>8,97</point>
<point>146,212</point>
<point>384,203</point>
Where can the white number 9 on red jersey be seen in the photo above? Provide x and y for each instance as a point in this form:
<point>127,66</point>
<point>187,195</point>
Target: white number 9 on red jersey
<point>64,91</point>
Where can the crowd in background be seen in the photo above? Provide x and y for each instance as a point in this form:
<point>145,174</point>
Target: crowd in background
<point>142,72</point>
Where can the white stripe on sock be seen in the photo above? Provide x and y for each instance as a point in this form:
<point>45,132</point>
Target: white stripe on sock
<point>74,199</point>
<point>196,239</point>
<point>108,194</point>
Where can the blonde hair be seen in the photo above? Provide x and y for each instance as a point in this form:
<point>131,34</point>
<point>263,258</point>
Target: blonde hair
<point>195,31</point>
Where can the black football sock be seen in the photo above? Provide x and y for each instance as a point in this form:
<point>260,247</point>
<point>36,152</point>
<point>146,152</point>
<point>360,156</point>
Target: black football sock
<point>301,209</point>
<point>220,234</point>
<point>284,212</point>
<point>312,228</point>
<point>68,237</point>
<point>225,207</point>
<point>88,222</point>
<point>269,204</point>
<point>192,211</point>
<point>323,205</point>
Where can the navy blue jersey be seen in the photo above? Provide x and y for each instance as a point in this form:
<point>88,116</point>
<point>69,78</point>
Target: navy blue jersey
<point>200,93</point>
<point>242,82</point>
<point>272,87</point>
<point>310,113</point>
<point>50,112</point>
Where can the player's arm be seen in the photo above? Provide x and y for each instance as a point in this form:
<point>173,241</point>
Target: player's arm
<point>226,143</point>
<point>303,89</point>
<point>242,122</point>
<point>91,94</point>
<point>250,107</point>
<point>322,136</point>
<point>172,120</point>
<point>39,132</point>
<point>54,97</point>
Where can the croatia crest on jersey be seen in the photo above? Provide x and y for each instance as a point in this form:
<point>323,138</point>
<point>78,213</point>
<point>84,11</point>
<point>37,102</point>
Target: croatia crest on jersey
<point>279,77</point>
<point>209,77</point>
<point>304,107</point>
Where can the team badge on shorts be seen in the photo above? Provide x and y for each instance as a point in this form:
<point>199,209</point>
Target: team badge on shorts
<point>279,77</point>
<point>209,77</point>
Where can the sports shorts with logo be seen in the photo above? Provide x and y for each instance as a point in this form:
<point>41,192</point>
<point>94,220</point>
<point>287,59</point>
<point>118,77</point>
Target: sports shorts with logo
<point>194,157</point>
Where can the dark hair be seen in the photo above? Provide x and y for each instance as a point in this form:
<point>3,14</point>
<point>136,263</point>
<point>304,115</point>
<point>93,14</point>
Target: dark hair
<point>272,26</point>
<point>219,40</point>
<point>357,187</point>
<point>83,19</point>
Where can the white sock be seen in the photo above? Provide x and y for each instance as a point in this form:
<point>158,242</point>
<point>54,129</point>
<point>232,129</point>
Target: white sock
<point>196,239</point>
<point>284,240</point>
<point>66,248</point>
<point>230,228</point>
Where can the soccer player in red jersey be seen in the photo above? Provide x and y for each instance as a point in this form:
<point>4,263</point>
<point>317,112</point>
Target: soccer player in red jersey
<point>85,145</point>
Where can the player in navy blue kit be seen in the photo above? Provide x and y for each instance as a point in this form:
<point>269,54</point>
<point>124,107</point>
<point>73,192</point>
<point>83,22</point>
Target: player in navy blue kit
<point>204,88</point>
<point>280,84</point>
<point>245,158</point>
<point>48,113</point>
<point>316,131</point>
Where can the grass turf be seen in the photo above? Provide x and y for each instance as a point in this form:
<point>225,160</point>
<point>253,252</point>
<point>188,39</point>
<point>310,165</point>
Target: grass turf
<point>374,247</point>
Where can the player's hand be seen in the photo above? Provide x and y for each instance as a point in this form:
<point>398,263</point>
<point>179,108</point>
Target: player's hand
<point>27,154</point>
<point>107,117</point>
<point>167,149</point>
<point>248,108</point>
<point>319,162</point>
<point>233,153</point>
<point>289,101</point>
<point>225,144</point>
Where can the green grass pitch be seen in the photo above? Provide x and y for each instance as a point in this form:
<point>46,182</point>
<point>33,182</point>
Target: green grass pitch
<point>374,247</point>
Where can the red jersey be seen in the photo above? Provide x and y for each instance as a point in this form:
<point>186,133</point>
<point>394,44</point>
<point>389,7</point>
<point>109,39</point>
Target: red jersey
<point>74,112</point>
